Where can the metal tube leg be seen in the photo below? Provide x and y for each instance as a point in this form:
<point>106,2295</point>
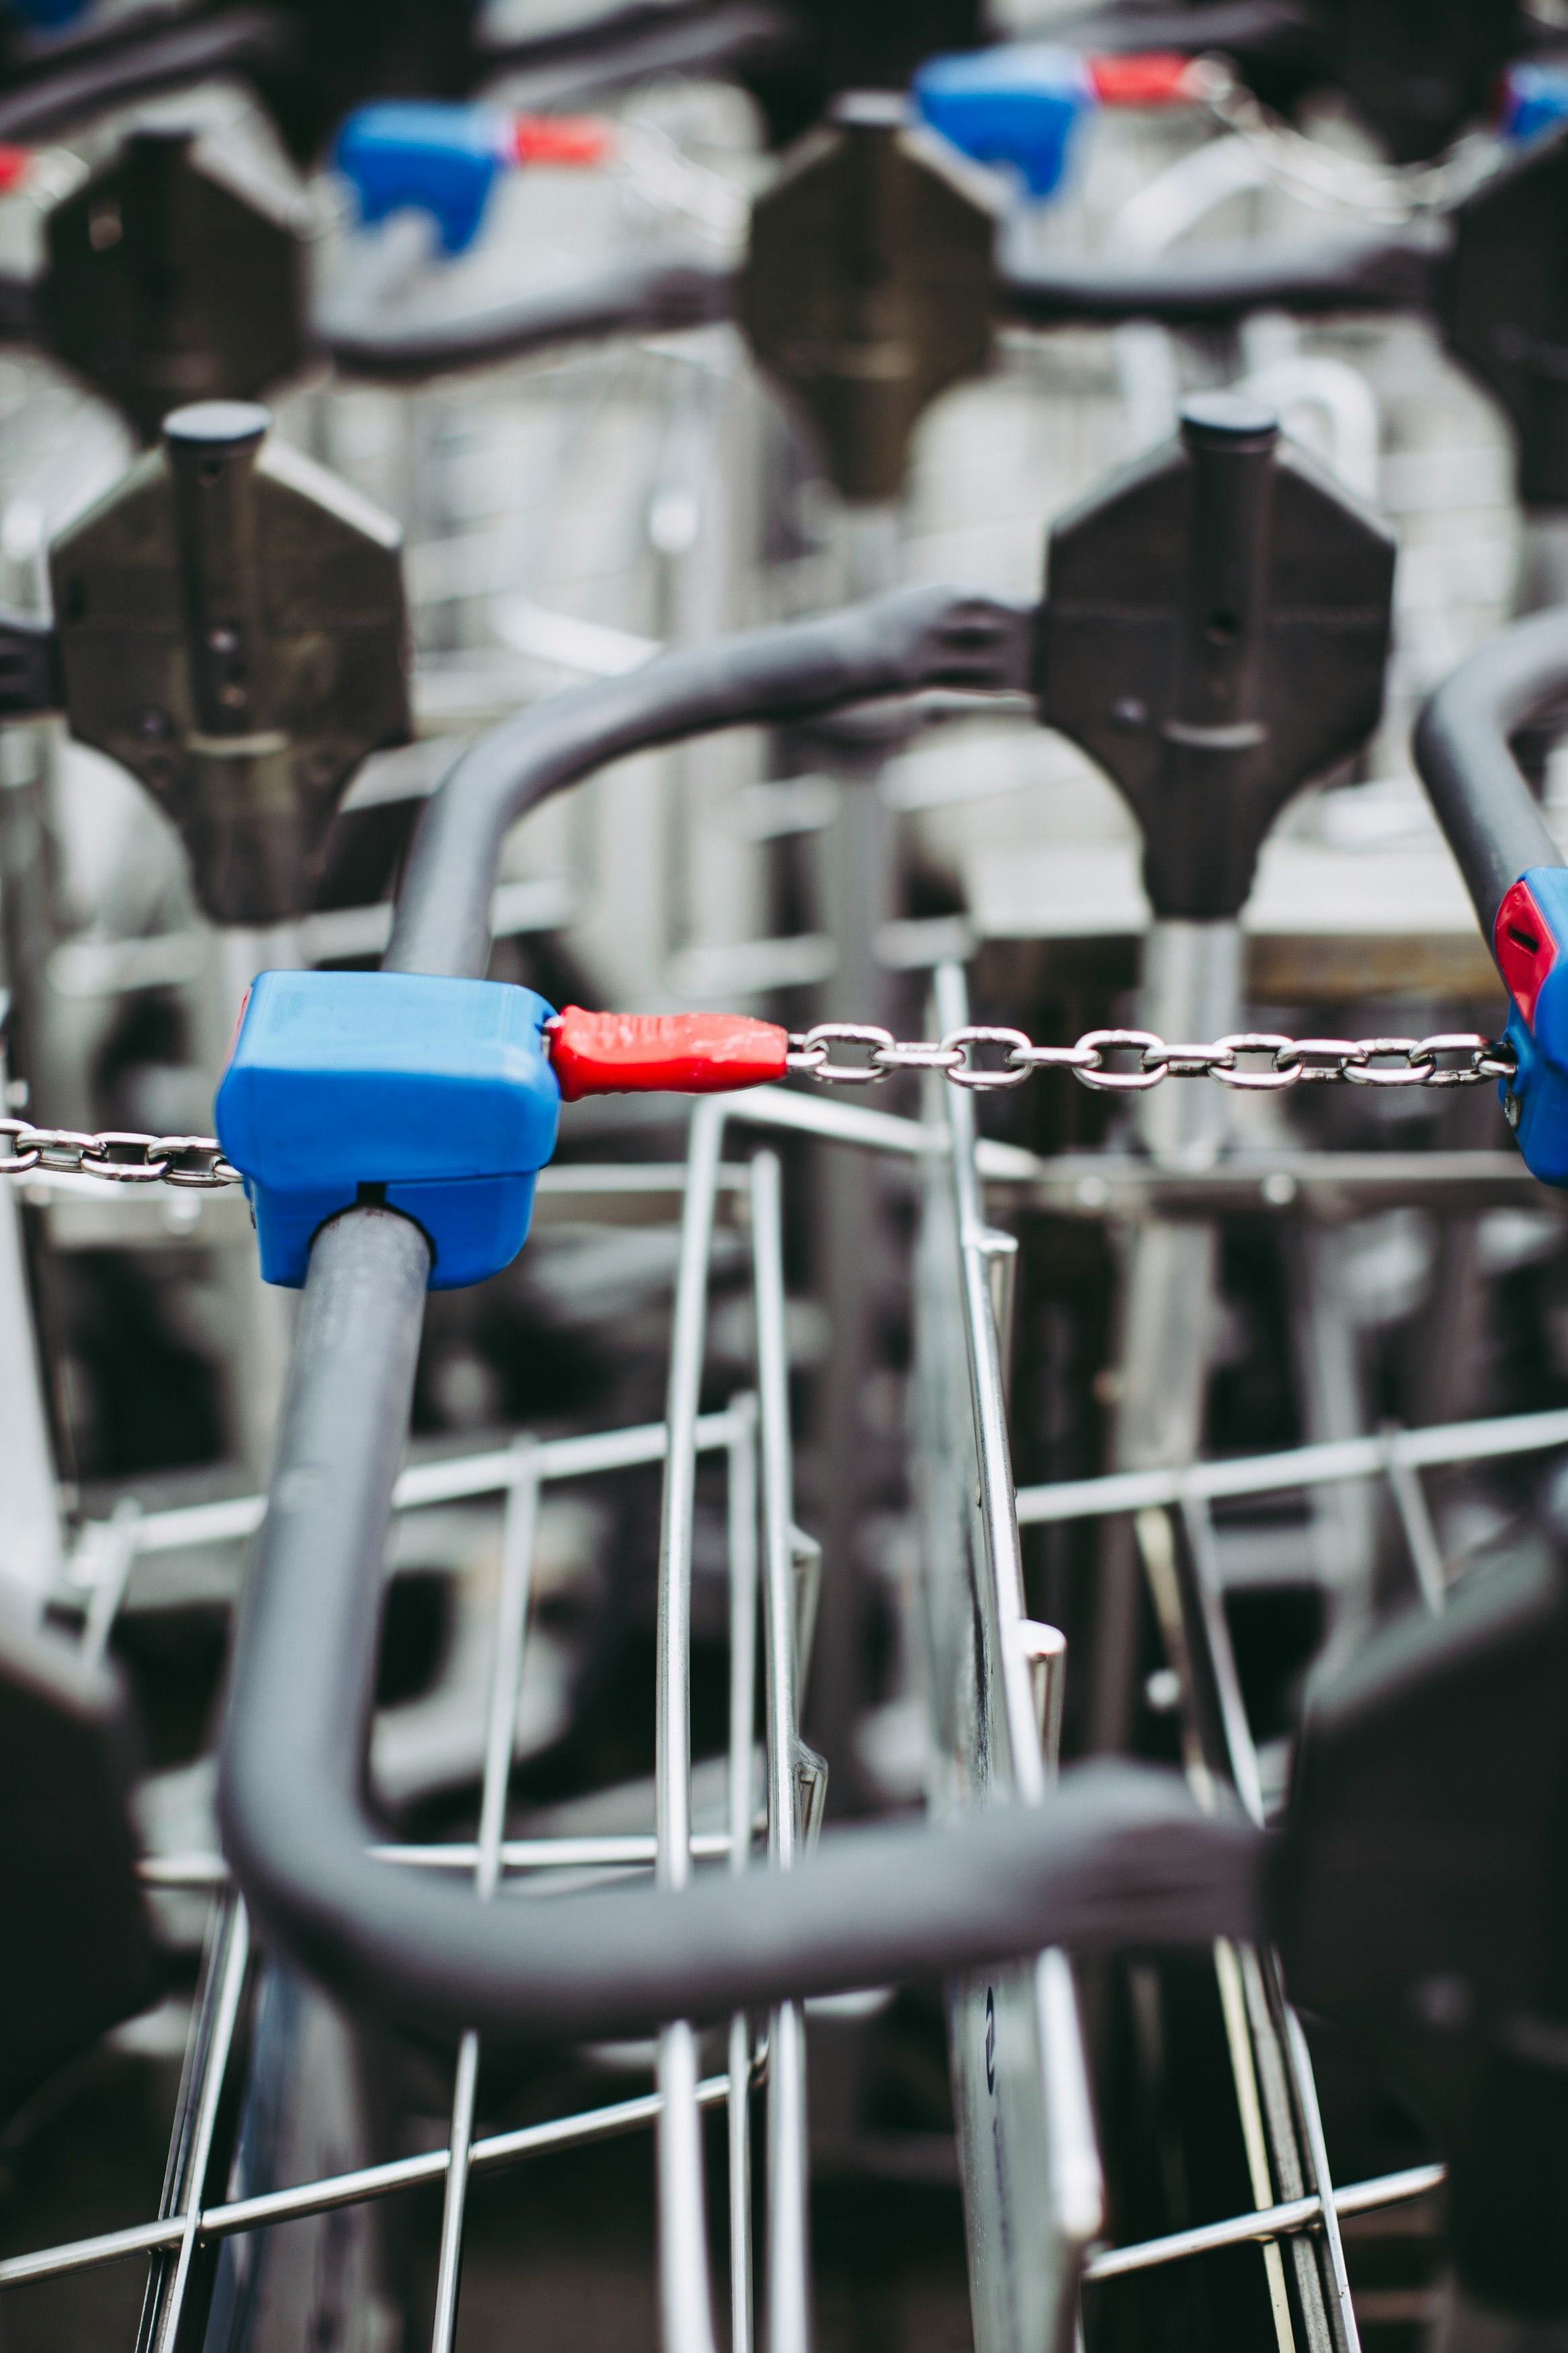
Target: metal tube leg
<point>512,1620</point>
<point>742,1464</point>
<point>788,2224</point>
<point>685,2295</point>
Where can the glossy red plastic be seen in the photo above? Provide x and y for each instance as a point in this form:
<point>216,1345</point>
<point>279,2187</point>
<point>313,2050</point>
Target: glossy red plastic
<point>578,139</point>
<point>1524,946</point>
<point>662,1053</point>
<point>1153,78</point>
<point>16,163</point>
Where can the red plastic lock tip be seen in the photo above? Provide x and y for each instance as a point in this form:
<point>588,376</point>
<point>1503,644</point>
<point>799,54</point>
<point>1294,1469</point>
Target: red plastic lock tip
<point>16,163</point>
<point>571,138</point>
<point>662,1053</point>
<point>1150,77</point>
<point>1524,946</point>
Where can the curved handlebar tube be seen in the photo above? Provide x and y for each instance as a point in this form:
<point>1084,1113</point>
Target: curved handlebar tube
<point>1216,285</point>
<point>1512,865</point>
<point>147,55</point>
<point>1212,288</point>
<point>916,638</point>
<point>1494,826</point>
<point>1119,1857</point>
<point>655,299</point>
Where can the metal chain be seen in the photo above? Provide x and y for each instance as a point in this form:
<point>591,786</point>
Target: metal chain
<point>1260,1061</point>
<point>125,1158</point>
<point>1257,1060</point>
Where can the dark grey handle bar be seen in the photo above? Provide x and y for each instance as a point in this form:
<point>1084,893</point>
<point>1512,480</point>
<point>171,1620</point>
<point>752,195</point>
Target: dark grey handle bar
<point>1118,1858</point>
<point>1494,826</point>
<point>1212,288</point>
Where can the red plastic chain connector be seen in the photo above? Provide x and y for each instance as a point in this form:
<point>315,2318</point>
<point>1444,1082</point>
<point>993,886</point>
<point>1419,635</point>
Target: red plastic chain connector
<point>572,139</point>
<point>1147,77</point>
<point>662,1053</point>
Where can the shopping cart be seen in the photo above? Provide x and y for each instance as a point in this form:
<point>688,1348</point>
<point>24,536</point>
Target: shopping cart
<point>981,1886</point>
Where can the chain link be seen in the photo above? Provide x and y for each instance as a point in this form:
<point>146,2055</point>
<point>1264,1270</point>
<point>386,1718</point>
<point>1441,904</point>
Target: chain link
<point>1254,1060</point>
<point>122,1156</point>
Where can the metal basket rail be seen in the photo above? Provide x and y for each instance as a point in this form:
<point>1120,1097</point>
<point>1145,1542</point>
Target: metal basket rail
<point>994,1739</point>
<point>753,1439</point>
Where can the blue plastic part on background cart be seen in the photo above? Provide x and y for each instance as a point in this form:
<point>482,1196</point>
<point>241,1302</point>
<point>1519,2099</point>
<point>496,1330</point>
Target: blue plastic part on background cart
<point>427,155</point>
<point>435,1096</point>
<point>1017,106</point>
<point>1534,99</point>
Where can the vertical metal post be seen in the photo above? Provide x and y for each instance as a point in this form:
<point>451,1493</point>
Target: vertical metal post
<point>1033,2190</point>
<point>500,1734</point>
<point>31,1553</point>
<point>857,867</point>
<point>685,2290</point>
<point>743,1500</point>
<point>789,2238</point>
<point>201,2095</point>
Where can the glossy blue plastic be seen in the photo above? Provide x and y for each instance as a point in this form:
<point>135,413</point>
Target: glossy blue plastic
<point>427,156</point>
<point>1016,105</point>
<point>436,1096</point>
<point>1538,1088</point>
<point>1534,99</point>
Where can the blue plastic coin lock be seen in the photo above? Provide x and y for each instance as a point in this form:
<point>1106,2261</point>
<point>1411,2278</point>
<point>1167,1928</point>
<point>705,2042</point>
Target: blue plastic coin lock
<point>432,156</point>
<point>1535,98</point>
<point>435,1096</point>
<point>1016,104</point>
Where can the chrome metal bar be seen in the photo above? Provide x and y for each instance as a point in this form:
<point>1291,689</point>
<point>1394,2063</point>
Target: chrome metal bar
<point>742,1533</point>
<point>630,1850</point>
<point>233,1957</point>
<point>460,2148</point>
<point>788,2221</point>
<point>578,2131</point>
<point>686,2293</point>
<point>1269,2222</point>
<point>116,1556</point>
<point>500,1736</point>
<point>1420,1536</point>
<point>1301,1466</point>
<point>1343,2312</point>
<point>1021,2079</point>
<point>454,1480</point>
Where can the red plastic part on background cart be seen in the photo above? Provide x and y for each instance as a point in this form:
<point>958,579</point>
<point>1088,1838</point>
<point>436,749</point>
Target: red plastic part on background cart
<point>662,1053</point>
<point>1147,77</point>
<point>575,139</point>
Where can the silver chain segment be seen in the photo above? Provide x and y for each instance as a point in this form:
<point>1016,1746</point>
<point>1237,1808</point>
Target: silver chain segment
<point>1275,1062</point>
<point>196,1161</point>
<point>125,1158</point>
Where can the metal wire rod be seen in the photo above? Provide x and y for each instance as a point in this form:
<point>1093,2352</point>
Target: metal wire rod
<point>1301,1466</point>
<point>456,1480</point>
<point>369,2181</point>
<point>685,2290</point>
<point>1268,2223</point>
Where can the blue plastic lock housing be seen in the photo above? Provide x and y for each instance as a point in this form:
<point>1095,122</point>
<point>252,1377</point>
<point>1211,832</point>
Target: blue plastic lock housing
<point>436,1096</point>
<point>1529,941</point>
<point>429,156</point>
<point>1532,99</point>
<point>1016,105</point>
